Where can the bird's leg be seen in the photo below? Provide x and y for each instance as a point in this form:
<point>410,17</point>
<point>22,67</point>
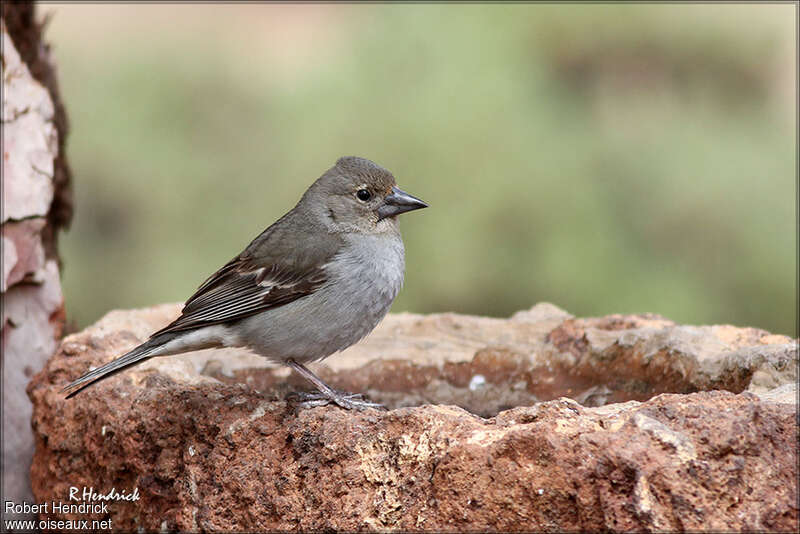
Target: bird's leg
<point>327,394</point>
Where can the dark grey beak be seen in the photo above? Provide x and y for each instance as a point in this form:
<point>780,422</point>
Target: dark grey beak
<point>397,202</point>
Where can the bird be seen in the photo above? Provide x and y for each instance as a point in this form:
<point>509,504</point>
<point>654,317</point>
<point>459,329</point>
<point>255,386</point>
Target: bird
<point>313,283</point>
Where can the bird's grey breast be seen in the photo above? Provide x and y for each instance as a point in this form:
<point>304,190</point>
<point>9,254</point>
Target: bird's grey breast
<point>363,279</point>
<point>372,264</point>
<point>367,276</point>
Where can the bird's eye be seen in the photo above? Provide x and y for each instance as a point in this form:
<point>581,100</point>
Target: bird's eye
<point>363,195</point>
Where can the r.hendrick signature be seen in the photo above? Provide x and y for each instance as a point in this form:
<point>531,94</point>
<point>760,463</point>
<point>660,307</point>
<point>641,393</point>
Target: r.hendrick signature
<point>88,494</point>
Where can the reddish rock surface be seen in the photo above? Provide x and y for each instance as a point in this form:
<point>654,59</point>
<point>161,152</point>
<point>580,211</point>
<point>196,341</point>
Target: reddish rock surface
<point>211,443</point>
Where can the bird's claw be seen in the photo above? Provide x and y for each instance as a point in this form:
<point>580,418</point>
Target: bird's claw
<point>348,401</point>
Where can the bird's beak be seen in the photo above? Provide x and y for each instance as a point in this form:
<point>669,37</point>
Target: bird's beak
<point>397,202</point>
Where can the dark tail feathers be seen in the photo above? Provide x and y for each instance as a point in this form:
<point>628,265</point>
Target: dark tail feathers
<point>139,354</point>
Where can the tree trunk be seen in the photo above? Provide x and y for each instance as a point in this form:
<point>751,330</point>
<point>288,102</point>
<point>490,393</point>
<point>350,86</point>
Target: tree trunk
<point>36,205</point>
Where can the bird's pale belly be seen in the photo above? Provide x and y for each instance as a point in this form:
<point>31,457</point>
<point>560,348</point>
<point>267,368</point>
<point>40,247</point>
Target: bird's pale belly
<point>335,316</point>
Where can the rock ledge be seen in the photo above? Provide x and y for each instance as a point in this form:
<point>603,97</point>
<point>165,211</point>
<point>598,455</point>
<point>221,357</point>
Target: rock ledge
<point>667,427</point>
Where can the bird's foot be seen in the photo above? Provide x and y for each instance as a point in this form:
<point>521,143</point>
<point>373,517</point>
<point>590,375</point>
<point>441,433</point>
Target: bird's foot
<point>326,394</point>
<point>348,401</point>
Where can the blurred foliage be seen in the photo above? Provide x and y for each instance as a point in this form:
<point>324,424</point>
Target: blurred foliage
<point>606,158</point>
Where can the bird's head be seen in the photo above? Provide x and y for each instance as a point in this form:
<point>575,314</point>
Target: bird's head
<point>357,195</point>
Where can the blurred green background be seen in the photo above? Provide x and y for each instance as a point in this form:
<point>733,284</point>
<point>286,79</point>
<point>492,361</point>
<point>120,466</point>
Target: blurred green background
<point>606,158</point>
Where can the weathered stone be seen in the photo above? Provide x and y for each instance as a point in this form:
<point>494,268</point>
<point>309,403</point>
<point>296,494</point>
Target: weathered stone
<point>211,442</point>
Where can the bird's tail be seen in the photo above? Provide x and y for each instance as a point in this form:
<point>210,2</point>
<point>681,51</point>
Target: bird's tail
<point>139,354</point>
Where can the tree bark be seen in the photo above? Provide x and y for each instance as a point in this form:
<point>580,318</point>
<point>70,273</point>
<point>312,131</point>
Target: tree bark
<point>36,204</point>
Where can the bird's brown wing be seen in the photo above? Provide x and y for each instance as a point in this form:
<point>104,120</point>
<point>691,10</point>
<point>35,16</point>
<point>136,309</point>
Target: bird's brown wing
<point>239,290</point>
<point>274,269</point>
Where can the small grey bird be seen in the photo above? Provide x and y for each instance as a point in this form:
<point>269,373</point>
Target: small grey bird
<point>315,282</point>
